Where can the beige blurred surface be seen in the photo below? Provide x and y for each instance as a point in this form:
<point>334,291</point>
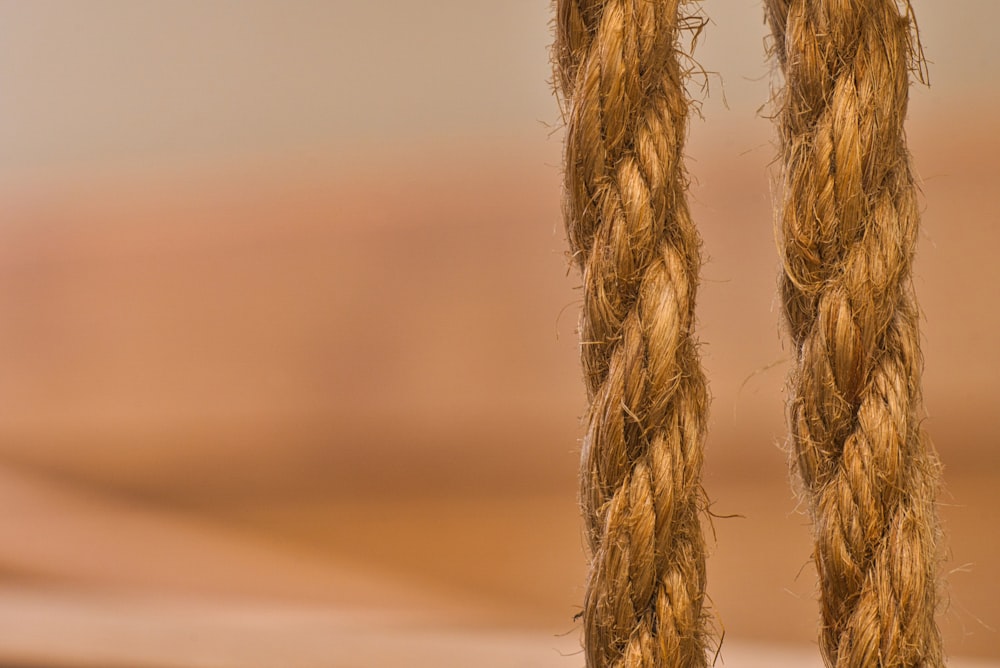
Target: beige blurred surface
<point>290,374</point>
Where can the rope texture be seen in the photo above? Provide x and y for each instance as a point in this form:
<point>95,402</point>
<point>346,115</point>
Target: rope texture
<point>619,72</point>
<point>848,231</point>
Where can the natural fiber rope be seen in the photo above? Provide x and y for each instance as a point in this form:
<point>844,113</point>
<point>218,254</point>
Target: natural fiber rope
<point>630,232</point>
<point>848,230</point>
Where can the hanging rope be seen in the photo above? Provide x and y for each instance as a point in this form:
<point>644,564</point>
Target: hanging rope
<point>848,231</point>
<point>619,73</point>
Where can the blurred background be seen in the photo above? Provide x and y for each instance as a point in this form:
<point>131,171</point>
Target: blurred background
<point>288,362</point>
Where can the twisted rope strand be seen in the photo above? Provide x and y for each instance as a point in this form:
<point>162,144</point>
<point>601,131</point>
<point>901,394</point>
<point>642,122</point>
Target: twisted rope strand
<point>618,68</point>
<point>848,232</point>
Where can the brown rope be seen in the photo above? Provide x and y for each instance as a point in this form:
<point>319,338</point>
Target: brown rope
<point>848,231</point>
<point>619,71</point>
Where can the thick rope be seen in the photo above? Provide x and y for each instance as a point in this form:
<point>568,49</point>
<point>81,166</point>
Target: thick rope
<point>848,231</point>
<point>619,72</point>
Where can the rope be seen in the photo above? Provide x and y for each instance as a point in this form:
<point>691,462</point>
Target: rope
<point>848,232</point>
<point>630,232</point>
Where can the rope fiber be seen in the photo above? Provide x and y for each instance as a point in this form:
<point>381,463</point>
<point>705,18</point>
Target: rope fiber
<point>618,69</point>
<point>848,230</point>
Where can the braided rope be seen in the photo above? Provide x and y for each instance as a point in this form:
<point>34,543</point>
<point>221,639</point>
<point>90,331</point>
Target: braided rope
<point>849,226</point>
<point>618,68</point>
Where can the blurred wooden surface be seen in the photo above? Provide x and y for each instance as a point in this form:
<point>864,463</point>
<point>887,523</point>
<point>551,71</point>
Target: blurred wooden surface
<point>295,405</point>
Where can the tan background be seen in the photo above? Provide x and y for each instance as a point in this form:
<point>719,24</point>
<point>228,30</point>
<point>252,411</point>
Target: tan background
<point>289,369</point>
